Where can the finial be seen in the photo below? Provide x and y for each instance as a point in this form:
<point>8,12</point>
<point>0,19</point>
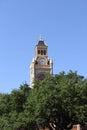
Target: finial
<point>41,39</point>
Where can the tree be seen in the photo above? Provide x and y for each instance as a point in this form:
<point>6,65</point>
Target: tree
<point>4,104</point>
<point>19,97</point>
<point>57,101</point>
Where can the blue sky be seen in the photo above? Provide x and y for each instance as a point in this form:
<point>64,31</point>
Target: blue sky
<point>63,26</point>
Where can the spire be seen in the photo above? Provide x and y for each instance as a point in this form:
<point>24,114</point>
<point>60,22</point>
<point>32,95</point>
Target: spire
<point>41,39</point>
<point>41,42</point>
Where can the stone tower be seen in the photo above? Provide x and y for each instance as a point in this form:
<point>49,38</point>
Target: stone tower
<point>41,64</point>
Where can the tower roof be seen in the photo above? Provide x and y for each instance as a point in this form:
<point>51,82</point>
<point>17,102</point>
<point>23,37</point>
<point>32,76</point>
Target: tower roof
<point>41,42</point>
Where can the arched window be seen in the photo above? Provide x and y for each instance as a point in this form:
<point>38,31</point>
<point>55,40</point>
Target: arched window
<point>41,52</point>
<point>44,52</point>
<point>48,62</point>
<point>38,51</point>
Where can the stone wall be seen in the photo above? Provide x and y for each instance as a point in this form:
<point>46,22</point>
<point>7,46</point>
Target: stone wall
<point>76,127</point>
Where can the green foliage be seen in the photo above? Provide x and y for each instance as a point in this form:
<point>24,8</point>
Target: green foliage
<point>61,98</point>
<point>4,104</point>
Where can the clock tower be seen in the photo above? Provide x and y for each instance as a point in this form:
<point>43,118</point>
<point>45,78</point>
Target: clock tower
<point>41,64</point>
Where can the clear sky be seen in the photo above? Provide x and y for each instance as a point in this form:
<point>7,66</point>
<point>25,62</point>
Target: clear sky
<point>63,26</point>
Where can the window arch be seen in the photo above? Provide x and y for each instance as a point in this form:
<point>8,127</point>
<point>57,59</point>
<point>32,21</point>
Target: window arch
<point>38,51</point>
<point>44,52</point>
<point>41,52</point>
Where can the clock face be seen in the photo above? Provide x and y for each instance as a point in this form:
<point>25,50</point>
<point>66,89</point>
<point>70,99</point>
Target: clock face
<point>41,76</point>
<point>42,61</point>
